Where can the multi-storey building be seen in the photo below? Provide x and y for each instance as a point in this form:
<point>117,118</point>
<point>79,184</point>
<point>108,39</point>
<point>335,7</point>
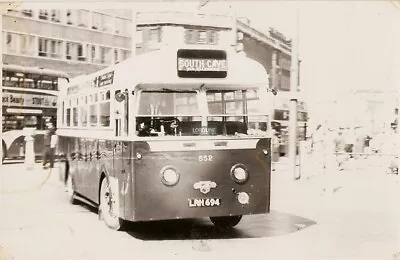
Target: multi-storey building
<point>74,41</point>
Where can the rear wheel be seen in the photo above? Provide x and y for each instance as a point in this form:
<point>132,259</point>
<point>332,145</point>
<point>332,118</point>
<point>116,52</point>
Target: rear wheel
<point>3,149</point>
<point>108,209</point>
<point>226,222</point>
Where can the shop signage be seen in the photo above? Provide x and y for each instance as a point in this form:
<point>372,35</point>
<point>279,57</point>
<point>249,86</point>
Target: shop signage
<point>104,80</point>
<point>29,100</point>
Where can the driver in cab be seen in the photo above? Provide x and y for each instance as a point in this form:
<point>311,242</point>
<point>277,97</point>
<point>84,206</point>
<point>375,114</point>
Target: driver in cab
<point>155,124</point>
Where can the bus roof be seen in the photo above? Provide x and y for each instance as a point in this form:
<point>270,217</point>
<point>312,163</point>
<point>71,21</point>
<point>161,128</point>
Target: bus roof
<point>35,70</point>
<point>158,69</point>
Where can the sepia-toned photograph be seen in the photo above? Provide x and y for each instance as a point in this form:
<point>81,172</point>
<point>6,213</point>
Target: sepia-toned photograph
<point>199,129</point>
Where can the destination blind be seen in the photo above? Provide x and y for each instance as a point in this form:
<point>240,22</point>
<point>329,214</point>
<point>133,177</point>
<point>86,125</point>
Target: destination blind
<point>202,63</point>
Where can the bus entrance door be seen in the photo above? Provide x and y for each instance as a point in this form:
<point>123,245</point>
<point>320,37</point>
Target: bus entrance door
<point>122,170</point>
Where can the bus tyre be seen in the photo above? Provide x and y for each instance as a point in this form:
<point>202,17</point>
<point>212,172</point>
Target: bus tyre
<point>3,154</point>
<point>108,209</point>
<point>71,190</point>
<point>226,222</point>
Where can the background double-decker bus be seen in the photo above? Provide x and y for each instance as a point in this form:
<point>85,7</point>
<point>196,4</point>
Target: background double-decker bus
<point>170,134</point>
<point>29,99</point>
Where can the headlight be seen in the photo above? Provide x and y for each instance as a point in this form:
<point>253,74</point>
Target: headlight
<point>169,176</point>
<point>239,173</point>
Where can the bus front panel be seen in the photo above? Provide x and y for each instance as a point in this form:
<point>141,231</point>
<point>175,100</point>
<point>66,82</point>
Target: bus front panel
<point>173,184</point>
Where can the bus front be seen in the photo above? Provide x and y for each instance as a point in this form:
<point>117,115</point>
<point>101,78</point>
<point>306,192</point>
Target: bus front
<point>202,147</point>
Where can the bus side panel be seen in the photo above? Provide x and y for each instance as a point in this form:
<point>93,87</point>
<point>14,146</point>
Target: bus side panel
<point>156,201</point>
<point>62,152</point>
<point>93,168</point>
<point>74,152</point>
<point>130,197</point>
<point>119,172</point>
<point>124,170</point>
<point>105,158</point>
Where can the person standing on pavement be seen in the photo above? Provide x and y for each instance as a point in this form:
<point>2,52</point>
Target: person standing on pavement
<point>49,145</point>
<point>340,150</point>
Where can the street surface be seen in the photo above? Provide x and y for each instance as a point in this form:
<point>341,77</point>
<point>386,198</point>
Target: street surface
<point>352,214</point>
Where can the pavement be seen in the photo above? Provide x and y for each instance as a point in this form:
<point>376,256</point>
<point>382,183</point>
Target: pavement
<point>19,177</point>
<point>349,214</point>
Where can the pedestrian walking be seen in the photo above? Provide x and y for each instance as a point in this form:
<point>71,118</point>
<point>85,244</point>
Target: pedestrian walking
<point>275,148</point>
<point>340,147</point>
<point>49,145</point>
<point>391,148</point>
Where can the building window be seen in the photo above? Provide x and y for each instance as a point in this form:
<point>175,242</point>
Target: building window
<point>202,37</point>
<point>70,17</point>
<point>105,114</point>
<point>75,116</point>
<point>93,115</point>
<point>118,29</point>
<point>154,36</point>
<point>55,48</point>
<point>188,36</point>
<point>212,37</point>
<point>192,36</point>
<point>76,51</point>
<point>84,115</point>
<point>122,26</point>
<point>125,54</point>
<point>82,52</point>
<point>55,15</point>
<point>43,47</point>
<point>10,43</point>
<point>94,54</point>
<point>116,56</point>
<point>107,23</point>
<point>96,21</point>
<point>27,44</point>
<point>12,12</point>
<point>82,17</point>
<point>27,12</point>
<point>139,36</point>
<point>71,51</point>
<point>127,28</point>
<point>43,14</point>
<point>105,55</point>
<point>68,116</point>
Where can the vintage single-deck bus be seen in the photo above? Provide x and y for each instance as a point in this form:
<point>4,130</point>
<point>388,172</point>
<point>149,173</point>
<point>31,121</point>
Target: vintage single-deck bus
<point>170,134</point>
<point>29,99</point>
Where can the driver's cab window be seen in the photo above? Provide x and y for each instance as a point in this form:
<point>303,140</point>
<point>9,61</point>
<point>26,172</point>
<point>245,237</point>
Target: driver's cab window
<point>166,113</point>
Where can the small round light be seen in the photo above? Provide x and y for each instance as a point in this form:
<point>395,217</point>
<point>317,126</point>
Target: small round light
<point>169,176</point>
<point>239,173</point>
<point>243,198</point>
<point>138,155</point>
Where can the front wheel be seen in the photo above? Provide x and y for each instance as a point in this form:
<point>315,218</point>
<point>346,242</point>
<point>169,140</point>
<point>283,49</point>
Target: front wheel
<point>108,209</point>
<point>226,222</point>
